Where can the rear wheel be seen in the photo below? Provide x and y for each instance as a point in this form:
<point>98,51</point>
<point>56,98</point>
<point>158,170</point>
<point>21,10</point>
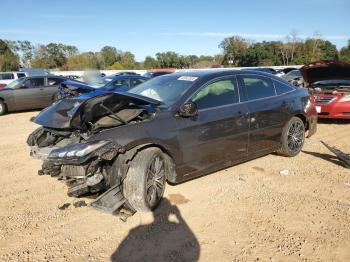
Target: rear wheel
<point>3,108</point>
<point>293,136</point>
<point>145,181</point>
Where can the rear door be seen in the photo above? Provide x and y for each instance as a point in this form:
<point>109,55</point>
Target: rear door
<point>30,95</point>
<point>219,135</point>
<point>50,89</point>
<point>267,112</point>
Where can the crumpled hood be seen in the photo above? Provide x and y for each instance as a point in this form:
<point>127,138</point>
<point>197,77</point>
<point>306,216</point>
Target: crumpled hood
<point>325,70</point>
<point>76,113</point>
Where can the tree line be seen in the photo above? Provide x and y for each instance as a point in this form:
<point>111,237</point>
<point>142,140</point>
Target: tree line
<point>236,51</point>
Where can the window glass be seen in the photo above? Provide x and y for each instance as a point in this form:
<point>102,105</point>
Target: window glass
<point>282,88</point>
<point>34,82</point>
<point>219,93</point>
<point>137,81</point>
<point>19,75</point>
<point>167,89</point>
<point>7,76</point>
<point>258,87</point>
<point>54,81</point>
<point>121,83</point>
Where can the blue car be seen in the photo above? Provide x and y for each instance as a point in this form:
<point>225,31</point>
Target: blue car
<point>119,83</point>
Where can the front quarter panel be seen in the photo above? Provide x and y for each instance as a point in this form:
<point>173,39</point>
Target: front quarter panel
<point>160,131</point>
<point>7,96</point>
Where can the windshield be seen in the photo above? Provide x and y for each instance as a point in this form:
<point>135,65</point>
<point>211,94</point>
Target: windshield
<point>294,73</point>
<point>336,82</point>
<point>14,83</point>
<point>167,89</point>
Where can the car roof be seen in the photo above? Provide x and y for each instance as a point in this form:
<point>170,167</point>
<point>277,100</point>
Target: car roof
<point>220,72</point>
<point>125,76</point>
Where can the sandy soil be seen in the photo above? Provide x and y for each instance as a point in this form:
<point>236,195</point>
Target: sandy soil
<point>245,213</point>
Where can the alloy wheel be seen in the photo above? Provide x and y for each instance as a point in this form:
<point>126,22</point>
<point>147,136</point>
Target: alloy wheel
<point>155,182</point>
<point>295,138</point>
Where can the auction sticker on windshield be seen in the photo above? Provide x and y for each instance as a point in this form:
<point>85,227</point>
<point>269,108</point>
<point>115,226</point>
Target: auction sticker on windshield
<point>188,78</point>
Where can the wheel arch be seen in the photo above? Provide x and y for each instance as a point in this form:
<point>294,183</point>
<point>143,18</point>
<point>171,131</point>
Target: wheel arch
<point>6,106</point>
<point>171,175</point>
<point>304,119</point>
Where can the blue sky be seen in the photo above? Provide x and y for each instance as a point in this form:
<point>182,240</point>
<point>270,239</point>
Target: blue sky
<point>186,27</point>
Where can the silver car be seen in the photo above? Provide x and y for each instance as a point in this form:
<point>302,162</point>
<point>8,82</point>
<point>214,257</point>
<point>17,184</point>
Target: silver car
<point>29,93</point>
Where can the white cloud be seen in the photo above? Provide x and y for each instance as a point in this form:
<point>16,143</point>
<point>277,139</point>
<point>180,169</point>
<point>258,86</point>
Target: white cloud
<point>250,35</point>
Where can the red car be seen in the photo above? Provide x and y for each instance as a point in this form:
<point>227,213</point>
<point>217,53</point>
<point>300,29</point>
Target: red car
<point>329,84</point>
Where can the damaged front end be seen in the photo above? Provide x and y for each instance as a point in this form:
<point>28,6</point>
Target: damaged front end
<point>66,144</point>
<point>80,165</point>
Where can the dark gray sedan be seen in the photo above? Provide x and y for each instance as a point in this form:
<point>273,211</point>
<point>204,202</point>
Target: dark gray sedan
<point>29,93</point>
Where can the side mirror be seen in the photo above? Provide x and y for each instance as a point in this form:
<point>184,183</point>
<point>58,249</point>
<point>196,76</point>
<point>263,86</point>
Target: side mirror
<point>189,109</point>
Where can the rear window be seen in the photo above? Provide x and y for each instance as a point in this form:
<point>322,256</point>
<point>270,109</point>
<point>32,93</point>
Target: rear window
<point>34,82</point>
<point>54,81</point>
<point>258,87</point>
<point>19,75</point>
<point>282,88</point>
<point>7,76</point>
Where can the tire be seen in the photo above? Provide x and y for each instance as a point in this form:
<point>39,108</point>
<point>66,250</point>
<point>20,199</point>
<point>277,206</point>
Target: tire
<point>145,181</point>
<point>293,137</point>
<point>3,108</point>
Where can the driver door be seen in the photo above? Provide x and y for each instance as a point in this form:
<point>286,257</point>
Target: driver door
<point>218,136</point>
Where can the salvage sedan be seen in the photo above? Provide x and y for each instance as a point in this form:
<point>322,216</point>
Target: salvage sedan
<point>169,129</point>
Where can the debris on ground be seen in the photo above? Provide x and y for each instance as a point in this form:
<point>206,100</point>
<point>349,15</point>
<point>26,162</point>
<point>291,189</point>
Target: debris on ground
<point>80,203</point>
<point>284,172</point>
<point>124,214</point>
<point>343,158</point>
<point>63,206</point>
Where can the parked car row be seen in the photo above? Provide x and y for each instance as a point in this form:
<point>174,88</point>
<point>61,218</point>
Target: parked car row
<point>37,92</point>
<point>171,128</point>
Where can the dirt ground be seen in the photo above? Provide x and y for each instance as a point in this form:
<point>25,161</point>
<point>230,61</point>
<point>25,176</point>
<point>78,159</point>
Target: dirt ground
<point>245,213</point>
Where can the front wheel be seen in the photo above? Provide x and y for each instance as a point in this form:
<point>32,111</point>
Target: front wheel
<point>145,181</point>
<point>293,136</point>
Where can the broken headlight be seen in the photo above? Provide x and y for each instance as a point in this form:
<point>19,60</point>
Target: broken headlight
<point>77,150</point>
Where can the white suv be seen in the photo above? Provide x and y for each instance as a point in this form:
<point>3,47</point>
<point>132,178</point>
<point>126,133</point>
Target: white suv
<point>8,77</point>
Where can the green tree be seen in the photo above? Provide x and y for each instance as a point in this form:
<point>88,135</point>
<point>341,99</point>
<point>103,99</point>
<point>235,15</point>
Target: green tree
<point>82,61</point>
<point>235,49</point>
<point>8,60</point>
<point>150,63</point>
<point>345,53</point>
<point>127,60</point>
<point>168,59</point>
<point>110,55</point>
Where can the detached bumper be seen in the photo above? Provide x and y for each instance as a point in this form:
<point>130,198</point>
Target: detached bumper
<point>82,174</point>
